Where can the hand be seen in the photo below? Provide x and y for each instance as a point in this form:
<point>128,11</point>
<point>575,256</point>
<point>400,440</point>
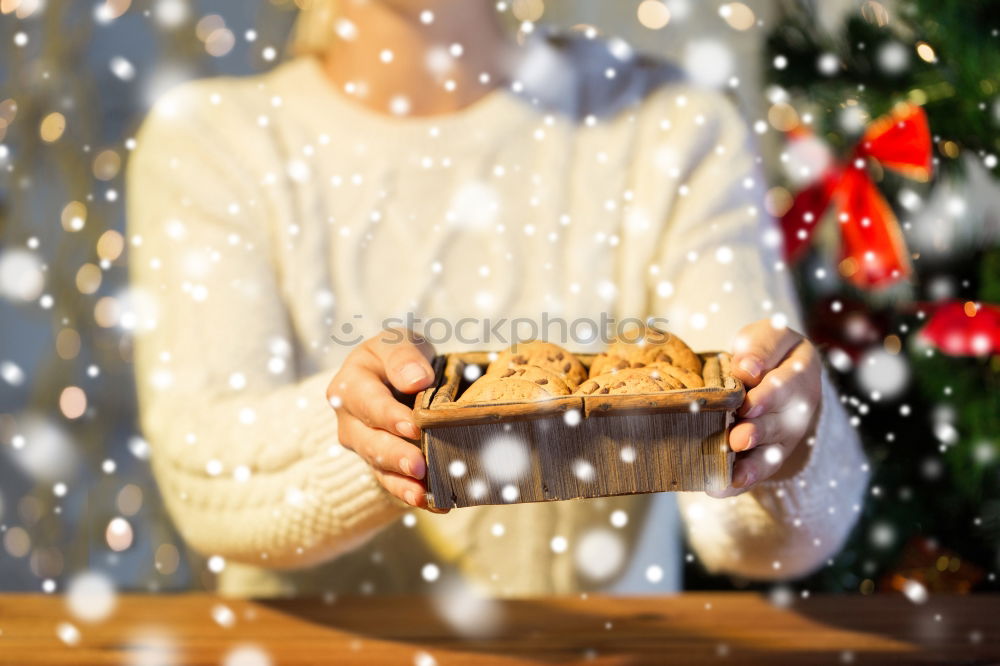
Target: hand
<point>782,373</point>
<point>371,422</point>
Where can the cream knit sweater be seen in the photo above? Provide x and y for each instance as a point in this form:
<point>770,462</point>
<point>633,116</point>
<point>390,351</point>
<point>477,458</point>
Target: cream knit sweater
<point>266,213</point>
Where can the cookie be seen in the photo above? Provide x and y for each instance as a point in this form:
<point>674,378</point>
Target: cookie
<point>661,346</point>
<point>673,352</point>
<point>552,382</point>
<point>545,355</point>
<point>648,347</point>
<point>492,389</point>
<point>686,378</point>
<point>626,382</point>
<point>604,363</point>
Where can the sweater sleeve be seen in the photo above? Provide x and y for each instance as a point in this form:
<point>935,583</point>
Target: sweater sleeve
<point>244,448</point>
<point>719,269</point>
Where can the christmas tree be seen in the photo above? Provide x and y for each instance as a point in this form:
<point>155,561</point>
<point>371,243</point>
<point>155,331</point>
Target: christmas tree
<point>914,347</point>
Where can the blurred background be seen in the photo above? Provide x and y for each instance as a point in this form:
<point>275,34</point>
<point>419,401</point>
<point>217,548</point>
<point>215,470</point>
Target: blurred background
<point>916,355</point>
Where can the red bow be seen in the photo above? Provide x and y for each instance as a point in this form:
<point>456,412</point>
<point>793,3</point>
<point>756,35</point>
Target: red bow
<point>964,328</point>
<point>873,252</point>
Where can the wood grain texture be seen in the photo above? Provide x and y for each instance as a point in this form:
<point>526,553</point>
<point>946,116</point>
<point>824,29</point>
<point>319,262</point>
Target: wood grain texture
<point>705,628</point>
<point>447,414</point>
<point>571,447</point>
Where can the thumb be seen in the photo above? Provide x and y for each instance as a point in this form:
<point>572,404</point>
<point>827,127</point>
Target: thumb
<point>759,348</point>
<point>404,357</point>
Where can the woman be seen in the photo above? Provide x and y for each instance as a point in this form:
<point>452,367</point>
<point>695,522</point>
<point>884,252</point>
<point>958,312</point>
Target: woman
<point>414,160</point>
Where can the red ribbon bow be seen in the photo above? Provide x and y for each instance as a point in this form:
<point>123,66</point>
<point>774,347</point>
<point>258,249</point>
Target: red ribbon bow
<point>873,252</point>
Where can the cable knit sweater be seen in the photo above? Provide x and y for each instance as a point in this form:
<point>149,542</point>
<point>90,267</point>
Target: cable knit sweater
<point>267,213</point>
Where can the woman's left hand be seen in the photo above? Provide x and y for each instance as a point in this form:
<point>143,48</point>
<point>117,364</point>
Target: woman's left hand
<point>782,373</point>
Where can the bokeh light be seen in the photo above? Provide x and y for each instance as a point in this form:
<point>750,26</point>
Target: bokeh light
<point>653,14</point>
<point>167,559</point>
<point>52,127</point>
<point>505,458</point>
<point>90,596</point>
<point>21,275</point>
<point>882,373</point>
<point>737,15</point>
<point>599,554</point>
<point>109,10</point>
<point>118,534</point>
<point>466,608</point>
<point>783,117</point>
<point>74,216</point>
<point>247,655</point>
<point>528,10</point>
<point>107,312</point>
<point>129,499</point>
<point>926,52</point>
<point>170,13</point>
<point>88,278</point>
<point>68,343</point>
<point>42,449</point>
<point>709,62</point>
<point>73,402</point>
<point>17,541</point>
<point>106,165</point>
<point>110,245</point>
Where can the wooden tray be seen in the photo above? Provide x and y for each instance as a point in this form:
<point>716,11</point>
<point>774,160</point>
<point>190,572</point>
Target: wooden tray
<point>574,446</point>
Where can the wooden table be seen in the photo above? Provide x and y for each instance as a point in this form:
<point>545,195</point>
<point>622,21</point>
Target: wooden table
<point>718,628</point>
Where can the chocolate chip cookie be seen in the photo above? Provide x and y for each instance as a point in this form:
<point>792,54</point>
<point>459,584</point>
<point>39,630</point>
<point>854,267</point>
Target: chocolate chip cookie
<point>552,382</point>
<point>686,378</point>
<point>508,389</point>
<point>627,382</point>
<point>644,348</point>
<point>544,355</point>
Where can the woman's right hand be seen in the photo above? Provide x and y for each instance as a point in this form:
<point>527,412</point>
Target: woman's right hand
<point>371,422</point>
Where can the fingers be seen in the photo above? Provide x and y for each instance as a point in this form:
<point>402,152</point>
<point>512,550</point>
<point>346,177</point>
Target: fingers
<point>403,488</point>
<point>796,379</point>
<point>758,465</point>
<point>359,392</point>
<point>780,409</point>
<point>752,467</point>
<point>765,429</point>
<point>403,359</point>
<point>382,450</point>
<point>777,414</point>
<point>371,422</point>
<point>759,348</point>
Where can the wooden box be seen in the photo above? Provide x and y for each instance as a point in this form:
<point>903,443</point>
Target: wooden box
<point>574,446</point>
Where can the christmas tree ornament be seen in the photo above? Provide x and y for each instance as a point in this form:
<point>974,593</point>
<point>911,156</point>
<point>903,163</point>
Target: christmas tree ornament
<point>873,252</point>
<point>926,567</point>
<point>964,329</point>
